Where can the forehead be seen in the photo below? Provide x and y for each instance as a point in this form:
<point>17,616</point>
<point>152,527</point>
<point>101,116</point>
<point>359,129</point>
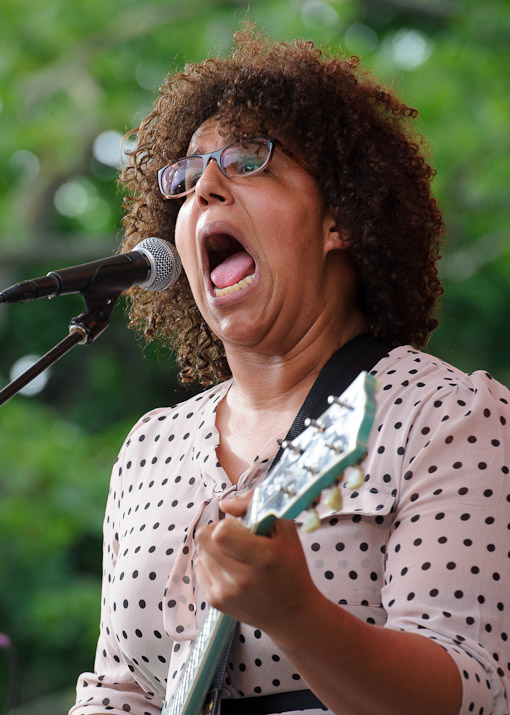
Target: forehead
<point>211,135</point>
<point>206,135</point>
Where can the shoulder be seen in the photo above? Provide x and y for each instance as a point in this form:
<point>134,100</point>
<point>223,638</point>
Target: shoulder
<point>189,410</point>
<point>421,376</point>
<point>419,392</point>
<point>441,431</point>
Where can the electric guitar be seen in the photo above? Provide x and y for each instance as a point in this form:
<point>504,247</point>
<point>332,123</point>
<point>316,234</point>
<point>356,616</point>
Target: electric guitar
<point>312,462</point>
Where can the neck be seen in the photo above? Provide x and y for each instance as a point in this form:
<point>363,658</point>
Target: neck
<point>264,379</point>
<point>266,394</point>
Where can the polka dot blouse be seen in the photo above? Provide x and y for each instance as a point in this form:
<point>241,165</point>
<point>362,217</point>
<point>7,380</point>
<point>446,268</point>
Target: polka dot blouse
<point>423,545</point>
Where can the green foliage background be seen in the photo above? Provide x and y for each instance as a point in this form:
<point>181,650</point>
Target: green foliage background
<point>70,71</point>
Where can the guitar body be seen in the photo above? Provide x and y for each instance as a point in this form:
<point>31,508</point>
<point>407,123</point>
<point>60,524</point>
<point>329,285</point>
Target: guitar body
<point>312,462</point>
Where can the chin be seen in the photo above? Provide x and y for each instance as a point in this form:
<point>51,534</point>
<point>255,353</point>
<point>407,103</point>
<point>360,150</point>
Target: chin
<point>239,332</point>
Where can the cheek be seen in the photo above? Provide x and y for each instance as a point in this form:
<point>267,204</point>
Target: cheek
<point>298,233</point>
<point>184,240</point>
<point>180,230</point>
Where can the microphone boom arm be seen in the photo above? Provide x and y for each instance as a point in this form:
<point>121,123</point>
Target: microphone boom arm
<point>83,329</point>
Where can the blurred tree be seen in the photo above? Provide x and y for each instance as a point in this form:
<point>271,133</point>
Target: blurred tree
<point>51,510</point>
<point>73,78</point>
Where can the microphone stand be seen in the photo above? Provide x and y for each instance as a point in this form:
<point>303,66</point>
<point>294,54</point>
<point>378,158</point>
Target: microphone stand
<point>83,329</point>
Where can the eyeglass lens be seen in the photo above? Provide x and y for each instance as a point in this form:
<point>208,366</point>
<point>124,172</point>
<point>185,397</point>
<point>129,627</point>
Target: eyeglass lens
<point>234,160</point>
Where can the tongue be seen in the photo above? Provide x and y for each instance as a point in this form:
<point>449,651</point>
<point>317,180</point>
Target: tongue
<point>233,269</point>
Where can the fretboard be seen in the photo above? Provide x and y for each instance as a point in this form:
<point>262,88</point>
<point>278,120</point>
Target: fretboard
<point>205,655</point>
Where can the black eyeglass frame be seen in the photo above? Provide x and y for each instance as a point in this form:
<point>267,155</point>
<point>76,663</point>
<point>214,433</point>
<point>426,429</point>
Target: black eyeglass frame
<point>218,153</point>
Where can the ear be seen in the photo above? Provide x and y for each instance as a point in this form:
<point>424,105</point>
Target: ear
<point>336,237</point>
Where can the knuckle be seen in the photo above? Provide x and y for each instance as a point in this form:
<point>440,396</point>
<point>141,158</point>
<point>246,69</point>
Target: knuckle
<point>223,531</point>
<point>220,597</point>
<point>244,582</point>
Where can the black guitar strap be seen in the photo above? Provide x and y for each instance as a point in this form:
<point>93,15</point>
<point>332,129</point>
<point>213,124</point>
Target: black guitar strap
<point>359,354</point>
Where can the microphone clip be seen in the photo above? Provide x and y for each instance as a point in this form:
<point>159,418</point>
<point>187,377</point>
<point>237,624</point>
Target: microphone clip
<point>99,302</point>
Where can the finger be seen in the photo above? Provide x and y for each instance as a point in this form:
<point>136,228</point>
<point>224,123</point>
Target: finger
<point>238,505</point>
<point>203,573</point>
<point>226,541</point>
<point>285,529</point>
<point>256,591</point>
<point>229,541</point>
<point>217,573</point>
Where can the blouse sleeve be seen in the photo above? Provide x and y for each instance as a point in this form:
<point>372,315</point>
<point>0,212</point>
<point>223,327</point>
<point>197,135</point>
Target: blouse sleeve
<point>111,688</point>
<point>447,561</point>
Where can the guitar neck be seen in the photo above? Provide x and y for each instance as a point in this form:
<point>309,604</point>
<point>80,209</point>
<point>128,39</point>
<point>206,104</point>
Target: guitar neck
<point>312,462</point>
<point>206,653</point>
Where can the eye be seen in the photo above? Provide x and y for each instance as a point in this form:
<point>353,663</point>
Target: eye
<point>174,179</point>
<point>193,170</point>
<point>192,179</point>
<point>244,158</point>
<point>247,163</point>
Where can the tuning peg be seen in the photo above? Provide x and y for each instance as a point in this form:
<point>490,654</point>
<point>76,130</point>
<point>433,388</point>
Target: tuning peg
<point>334,448</point>
<point>332,399</point>
<point>287,444</point>
<point>310,422</point>
<point>311,522</point>
<point>334,498</point>
<point>355,479</point>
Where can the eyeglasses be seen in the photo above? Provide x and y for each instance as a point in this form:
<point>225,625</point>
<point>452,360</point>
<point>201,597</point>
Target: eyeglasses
<point>239,159</point>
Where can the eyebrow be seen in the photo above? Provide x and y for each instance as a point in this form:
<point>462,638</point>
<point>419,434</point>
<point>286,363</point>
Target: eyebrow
<point>192,149</point>
<point>194,145</point>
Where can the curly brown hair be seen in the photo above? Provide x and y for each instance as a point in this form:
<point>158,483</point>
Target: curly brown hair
<point>356,138</point>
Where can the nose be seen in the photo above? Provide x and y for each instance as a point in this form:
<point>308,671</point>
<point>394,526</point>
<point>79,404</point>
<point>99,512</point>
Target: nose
<point>213,186</point>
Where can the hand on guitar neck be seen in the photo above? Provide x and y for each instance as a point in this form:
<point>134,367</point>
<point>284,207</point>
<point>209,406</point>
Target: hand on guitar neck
<point>257,580</point>
<point>255,570</point>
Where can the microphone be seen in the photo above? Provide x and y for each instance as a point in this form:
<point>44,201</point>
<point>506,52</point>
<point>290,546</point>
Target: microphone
<point>154,265</point>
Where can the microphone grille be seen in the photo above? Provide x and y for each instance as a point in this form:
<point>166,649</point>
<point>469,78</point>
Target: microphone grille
<point>165,263</point>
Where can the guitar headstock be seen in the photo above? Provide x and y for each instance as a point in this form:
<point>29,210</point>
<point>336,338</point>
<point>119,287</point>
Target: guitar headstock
<point>317,458</point>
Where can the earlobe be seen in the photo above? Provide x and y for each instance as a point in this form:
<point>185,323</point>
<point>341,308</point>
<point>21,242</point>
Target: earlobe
<point>336,237</point>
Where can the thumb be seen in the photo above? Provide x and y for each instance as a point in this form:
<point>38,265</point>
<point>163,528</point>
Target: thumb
<point>237,505</point>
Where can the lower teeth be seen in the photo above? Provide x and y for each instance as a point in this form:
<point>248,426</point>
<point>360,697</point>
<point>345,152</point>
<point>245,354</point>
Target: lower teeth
<point>219,292</point>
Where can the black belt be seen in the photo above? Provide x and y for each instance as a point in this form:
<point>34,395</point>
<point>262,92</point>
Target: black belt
<point>277,703</point>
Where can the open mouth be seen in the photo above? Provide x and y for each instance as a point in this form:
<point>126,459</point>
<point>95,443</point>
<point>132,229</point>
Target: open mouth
<point>231,267</point>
